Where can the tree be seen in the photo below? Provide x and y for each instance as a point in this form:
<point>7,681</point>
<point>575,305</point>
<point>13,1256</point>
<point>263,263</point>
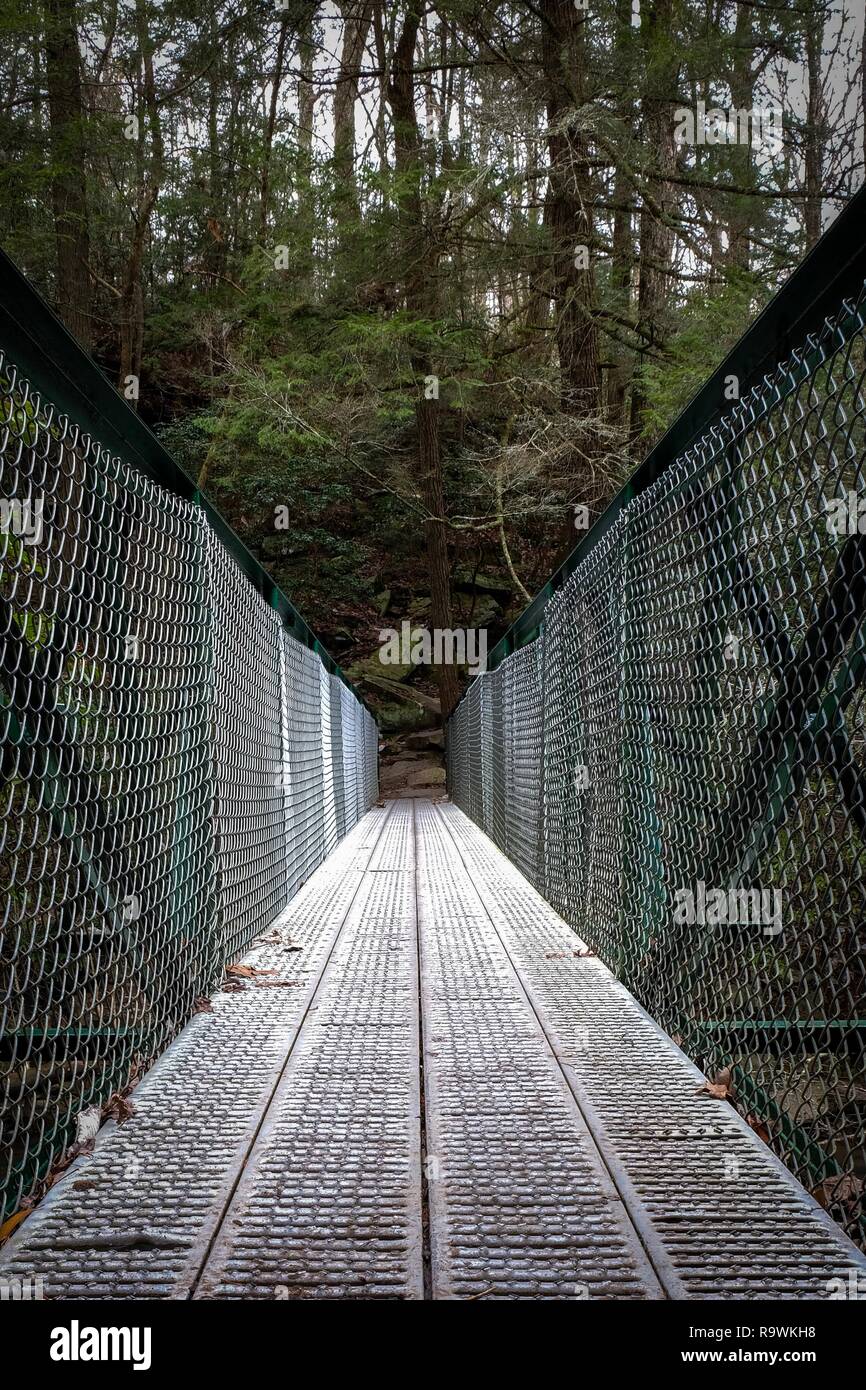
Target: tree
<point>68,160</point>
<point>420,255</point>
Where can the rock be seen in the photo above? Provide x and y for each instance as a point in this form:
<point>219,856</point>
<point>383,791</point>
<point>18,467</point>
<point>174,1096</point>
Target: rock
<point>425,738</point>
<point>427,793</point>
<point>401,716</point>
<point>427,776</point>
<point>397,774</point>
<point>489,583</point>
<point>484,611</point>
<point>372,666</point>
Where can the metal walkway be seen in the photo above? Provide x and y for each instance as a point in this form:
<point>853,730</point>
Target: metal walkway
<point>426,1087</point>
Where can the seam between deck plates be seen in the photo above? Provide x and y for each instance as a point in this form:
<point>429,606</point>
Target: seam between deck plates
<point>636,1214</point>
<point>278,1075</point>
<point>644,1264</point>
<point>426,1232</point>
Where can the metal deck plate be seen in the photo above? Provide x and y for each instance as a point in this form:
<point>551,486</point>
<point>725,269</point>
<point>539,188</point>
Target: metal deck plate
<point>135,1218</point>
<point>722,1218</point>
<point>277,1149</point>
<point>329,1204</point>
<point>520,1204</point>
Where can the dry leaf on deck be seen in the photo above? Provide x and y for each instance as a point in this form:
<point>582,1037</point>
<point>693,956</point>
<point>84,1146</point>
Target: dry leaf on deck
<point>720,1086</point>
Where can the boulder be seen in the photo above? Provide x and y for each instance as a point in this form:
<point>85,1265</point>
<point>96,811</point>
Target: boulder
<point>426,776</point>
<point>425,738</point>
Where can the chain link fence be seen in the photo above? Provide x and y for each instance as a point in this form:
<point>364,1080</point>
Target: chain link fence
<point>175,765</point>
<point>678,760</point>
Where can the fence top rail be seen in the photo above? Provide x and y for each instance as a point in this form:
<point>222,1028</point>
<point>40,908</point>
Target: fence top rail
<point>832,273</point>
<point>59,370</point>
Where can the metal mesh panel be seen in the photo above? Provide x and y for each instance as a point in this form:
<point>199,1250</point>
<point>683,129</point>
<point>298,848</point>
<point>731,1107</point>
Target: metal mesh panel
<point>371,760</point>
<point>350,762</point>
<point>486,696</point>
<point>305,820</point>
<point>457,766</point>
<point>329,807</point>
<point>337,755</point>
<point>475,751</point>
<point>165,764</point>
<point>583,630</point>
<point>105,857</point>
<point>360,752</point>
<point>249,814</point>
<point>495,754</point>
<point>523,740</point>
<point>704,741</point>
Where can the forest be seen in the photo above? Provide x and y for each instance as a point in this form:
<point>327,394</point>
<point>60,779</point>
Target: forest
<point>411,287</point>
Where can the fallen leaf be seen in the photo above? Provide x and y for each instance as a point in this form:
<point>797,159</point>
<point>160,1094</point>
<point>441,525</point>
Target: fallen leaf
<point>203,1006</point>
<point>757,1124</point>
<point>551,955</point>
<point>841,1189</point>
<point>710,1088</point>
<point>246,972</point>
<point>584,954</point>
<point>118,1108</point>
<point>9,1226</point>
<point>720,1087</point>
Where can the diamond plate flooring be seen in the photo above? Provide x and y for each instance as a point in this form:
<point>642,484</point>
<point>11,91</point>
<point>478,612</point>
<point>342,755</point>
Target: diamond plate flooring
<point>439,1095</point>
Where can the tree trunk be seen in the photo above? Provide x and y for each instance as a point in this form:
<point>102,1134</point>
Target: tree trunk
<point>421,262</point>
<point>270,127</point>
<point>656,234</point>
<point>863,86</point>
<point>622,250</point>
<point>68,189</point>
<point>568,209</point>
<point>304,177</point>
<point>214,247</point>
<point>132,295</point>
<point>813,158</point>
<point>743,208</point>
<point>357,15</point>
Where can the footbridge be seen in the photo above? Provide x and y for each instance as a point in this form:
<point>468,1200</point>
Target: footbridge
<point>590,1028</point>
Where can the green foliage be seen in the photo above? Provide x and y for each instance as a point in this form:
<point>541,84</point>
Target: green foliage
<point>710,326</point>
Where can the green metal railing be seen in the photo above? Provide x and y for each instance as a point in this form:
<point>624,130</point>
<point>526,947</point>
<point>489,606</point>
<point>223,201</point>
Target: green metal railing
<point>178,750</point>
<point>671,742</point>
